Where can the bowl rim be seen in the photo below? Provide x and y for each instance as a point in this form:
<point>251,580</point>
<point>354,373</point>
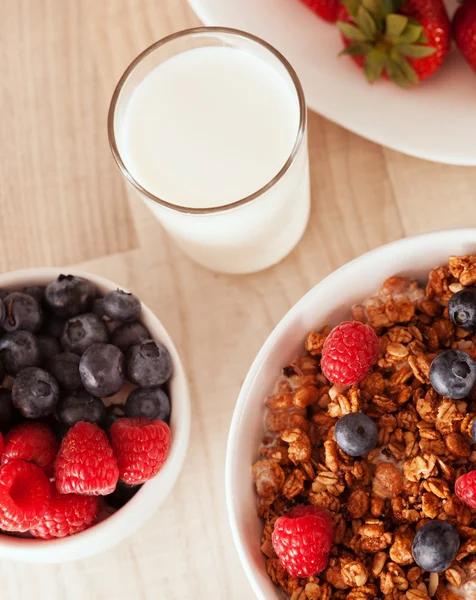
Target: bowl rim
<point>125,521</point>
<point>246,391</point>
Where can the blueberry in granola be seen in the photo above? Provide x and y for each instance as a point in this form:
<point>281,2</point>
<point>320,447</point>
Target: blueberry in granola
<point>462,309</point>
<point>435,546</point>
<point>453,374</point>
<point>356,434</point>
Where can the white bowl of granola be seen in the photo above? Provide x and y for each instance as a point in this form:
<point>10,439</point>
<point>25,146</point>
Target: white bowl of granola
<point>328,303</point>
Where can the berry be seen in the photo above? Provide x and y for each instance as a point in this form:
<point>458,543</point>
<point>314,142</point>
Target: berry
<point>141,447</point>
<point>462,309</point>
<point>356,434</point>
<point>349,352</point>
<point>98,308</point>
<point>33,442</point>
<point>102,370</point>
<point>68,295</point>
<point>37,291</point>
<point>326,9</point>
<point>8,414</point>
<point>80,406</point>
<point>19,349</point>
<point>129,334</point>
<point>465,488</point>
<point>406,46</point>
<point>66,514</point>
<point>122,494</point>
<point>435,546</point>
<point>464,31</point>
<point>113,412</point>
<point>148,364</point>
<point>121,306</point>
<point>82,331</point>
<point>24,495</point>
<point>22,312</point>
<point>85,463</point>
<point>54,327</point>
<point>49,347</point>
<point>3,311</point>
<point>35,393</point>
<point>65,369</point>
<point>151,403</point>
<point>302,540</point>
<point>453,374</point>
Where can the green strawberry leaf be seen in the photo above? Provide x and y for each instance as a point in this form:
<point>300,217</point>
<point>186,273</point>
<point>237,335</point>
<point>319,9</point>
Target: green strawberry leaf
<point>390,6</point>
<point>357,49</point>
<point>374,64</point>
<point>396,74</point>
<point>415,51</point>
<point>373,6</point>
<point>351,32</point>
<point>366,23</point>
<point>405,67</point>
<point>352,7</point>
<point>395,25</point>
<point>411,34</point>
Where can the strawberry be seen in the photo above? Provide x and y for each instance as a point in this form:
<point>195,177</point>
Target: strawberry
<point>403,40</point>
<point>326,9</point>
<point>464,30</point>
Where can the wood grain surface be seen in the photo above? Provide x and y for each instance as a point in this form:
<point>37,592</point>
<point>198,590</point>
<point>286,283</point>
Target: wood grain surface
<point>62,202</point>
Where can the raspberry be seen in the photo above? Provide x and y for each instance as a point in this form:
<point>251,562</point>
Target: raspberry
<point>465,488</point>
<point>33,442</point>
<point>24,495</point>
<point>2,444</point>
<point>66,514</point>
<point>349,352</point>
<point>302,539</point>
<point>85,463</point>
<point>141,447</point>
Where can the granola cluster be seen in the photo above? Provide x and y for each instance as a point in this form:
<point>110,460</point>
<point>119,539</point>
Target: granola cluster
<point>378,501</point>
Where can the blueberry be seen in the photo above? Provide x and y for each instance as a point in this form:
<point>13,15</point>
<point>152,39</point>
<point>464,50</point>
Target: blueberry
<point>2,372</point>
<point>3,293</point>
<point>113,412</point>
<point>68,295</point>
<point>473,431</point>
<point>82,331</point>
<point>151,403</point>
<point>80,406</point>
<point>356,434</point>
<point>435,546</point>
<point>122,494</point>
<point>102,370</point>
<point>453,374</point>
<point>49,347</point>
<point>98,308</point>
<point>35,393</point>
<point>121,306</point>
<point>19,349</point>
<point>148,364</point>
<point>65,369</point>
<point>3,312</point>
<point>129,334</point>
<point>22,312</point>
<point>462,309</point>
<point>8,415</point>
<point>37,291</point>
<point>54,327</point>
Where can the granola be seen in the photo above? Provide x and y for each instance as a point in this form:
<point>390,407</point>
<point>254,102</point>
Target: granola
<point>378,501</point>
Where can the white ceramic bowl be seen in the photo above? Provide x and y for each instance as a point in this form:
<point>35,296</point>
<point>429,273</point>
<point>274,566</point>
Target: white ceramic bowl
<point>328,302</point>
<point>135,513</point>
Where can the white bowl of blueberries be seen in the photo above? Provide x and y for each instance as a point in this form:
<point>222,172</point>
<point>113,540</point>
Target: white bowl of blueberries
<point>94,414</point>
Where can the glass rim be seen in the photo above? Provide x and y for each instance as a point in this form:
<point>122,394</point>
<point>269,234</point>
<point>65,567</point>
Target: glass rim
<point>199,31</point>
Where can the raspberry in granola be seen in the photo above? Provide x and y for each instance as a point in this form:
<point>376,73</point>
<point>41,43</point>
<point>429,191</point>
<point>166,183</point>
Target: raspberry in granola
<point>380,500</point>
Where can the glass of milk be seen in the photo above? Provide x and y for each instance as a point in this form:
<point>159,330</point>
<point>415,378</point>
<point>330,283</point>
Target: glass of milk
<point>209,126</point>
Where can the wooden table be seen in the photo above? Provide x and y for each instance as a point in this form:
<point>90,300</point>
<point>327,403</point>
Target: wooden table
<point>63,202</point>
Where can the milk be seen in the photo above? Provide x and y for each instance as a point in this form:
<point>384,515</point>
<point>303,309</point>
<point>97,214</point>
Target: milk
<point>207,128</point>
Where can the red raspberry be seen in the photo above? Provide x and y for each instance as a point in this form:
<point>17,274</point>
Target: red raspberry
<point>302,539</point>
<point>349,352</point>
<point>66,514</point>
<point>1,443</point>
<point>85,463</point>
<point>465,488</point>
<point>141,447</point>
<point>24,495</point>
<point>33,442</point>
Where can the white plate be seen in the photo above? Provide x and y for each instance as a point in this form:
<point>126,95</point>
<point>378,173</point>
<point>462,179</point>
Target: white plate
<point>435,121</point>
